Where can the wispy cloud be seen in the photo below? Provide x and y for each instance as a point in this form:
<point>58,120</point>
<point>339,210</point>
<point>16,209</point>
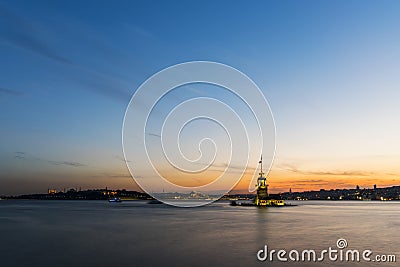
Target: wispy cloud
<point>111,175</point>
<point>21,33</point>
<point>141,31</point>
<point>67,163</point>
<point>104,85</point>
<point>10,92</point>
<point>24,156</point>
<point>122,159</point>
<point>19,155</point>
<point>17,31</point>
<point>294,169</point>
<point>155,135</point>
<point>310,181</point>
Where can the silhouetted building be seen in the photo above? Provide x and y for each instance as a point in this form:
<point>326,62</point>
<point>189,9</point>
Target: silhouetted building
<point>51,191</point>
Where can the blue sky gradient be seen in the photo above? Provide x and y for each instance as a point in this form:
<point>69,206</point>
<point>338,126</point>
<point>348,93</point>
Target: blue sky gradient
<point>329,69</point>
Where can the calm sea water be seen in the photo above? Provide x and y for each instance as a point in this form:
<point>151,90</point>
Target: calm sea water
<point>96,233</point>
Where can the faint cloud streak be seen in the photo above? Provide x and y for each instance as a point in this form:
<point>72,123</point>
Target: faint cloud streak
<point>10,92</point>
<point>19,32</point>
<point>24,156</point>
<point>294,169</point>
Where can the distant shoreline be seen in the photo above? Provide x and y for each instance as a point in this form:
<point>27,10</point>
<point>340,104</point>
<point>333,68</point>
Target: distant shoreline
<point>357,194</point>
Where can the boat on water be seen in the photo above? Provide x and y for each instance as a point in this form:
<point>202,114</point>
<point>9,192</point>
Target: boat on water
<point>114,200</point>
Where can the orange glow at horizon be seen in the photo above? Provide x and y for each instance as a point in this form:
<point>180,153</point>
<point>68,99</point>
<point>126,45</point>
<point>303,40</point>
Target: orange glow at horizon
<point>282,181</point>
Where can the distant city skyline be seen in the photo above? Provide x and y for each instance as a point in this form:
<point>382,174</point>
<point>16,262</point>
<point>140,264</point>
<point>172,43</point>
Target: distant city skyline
<point>329,70</point>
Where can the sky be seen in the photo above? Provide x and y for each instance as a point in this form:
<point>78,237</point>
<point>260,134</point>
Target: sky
<point>329,70</point>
